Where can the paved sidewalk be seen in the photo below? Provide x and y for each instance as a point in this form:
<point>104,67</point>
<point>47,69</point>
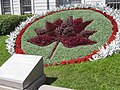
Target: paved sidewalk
<point>47,87</point>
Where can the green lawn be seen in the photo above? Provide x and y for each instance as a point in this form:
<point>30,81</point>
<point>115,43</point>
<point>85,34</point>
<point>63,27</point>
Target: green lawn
<point>98,75</point>
<point>3,52</point>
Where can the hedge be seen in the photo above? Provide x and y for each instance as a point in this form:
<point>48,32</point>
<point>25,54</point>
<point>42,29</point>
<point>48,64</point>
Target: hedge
<point>9,22</point>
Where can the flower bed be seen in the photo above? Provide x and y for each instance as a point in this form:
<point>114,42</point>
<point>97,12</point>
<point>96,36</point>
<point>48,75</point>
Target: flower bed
<point>104,26</point>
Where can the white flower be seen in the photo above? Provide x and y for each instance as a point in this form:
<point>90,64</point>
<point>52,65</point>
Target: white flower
<point>114,47</point>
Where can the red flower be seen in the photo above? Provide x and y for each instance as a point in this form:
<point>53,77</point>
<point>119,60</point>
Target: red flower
<point>46,65</point>
<point>58,23</point>
<point>71,62</point>
<point>78,60</point>
<point>64,62</point>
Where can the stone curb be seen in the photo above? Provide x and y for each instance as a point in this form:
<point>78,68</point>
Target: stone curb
<point>48,87</point>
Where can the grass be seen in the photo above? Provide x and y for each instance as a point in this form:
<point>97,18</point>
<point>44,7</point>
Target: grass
<point>3,52</point>
<point>98,75</point>
<point>100,23</point>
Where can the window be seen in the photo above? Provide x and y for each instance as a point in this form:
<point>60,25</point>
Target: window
<point>113,3</point>
<point>74,1</point>
<point>64,2</point>
<point>5,6</point>
<point>59,3</point>
<point>26,7</point>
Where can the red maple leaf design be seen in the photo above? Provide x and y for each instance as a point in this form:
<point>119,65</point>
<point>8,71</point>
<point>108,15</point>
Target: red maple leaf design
<point>71,33</point>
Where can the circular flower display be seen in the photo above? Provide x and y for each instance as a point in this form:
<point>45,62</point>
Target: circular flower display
<point>68,35</point>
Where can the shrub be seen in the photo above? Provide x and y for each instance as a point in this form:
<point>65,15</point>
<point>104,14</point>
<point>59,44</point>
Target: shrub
<point>9,22</point>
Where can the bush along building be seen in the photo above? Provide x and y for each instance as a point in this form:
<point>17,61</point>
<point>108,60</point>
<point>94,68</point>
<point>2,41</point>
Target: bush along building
<point>18,7</point>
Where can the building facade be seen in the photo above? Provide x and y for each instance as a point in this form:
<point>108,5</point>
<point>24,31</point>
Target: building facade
<point>19,7</point>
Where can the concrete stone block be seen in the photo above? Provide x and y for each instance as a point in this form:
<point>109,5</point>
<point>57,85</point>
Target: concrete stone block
<point>22,71</point>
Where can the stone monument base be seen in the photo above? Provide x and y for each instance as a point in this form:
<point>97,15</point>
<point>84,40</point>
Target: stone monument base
<point>33,86</point>
<point>22,72</point>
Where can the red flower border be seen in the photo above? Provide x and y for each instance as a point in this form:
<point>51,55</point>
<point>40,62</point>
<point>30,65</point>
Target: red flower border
<point>19,50</point>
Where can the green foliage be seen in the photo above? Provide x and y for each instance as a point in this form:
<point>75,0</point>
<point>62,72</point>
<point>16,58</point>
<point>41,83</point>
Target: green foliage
<point>4,55</point>
<point>100,24</point>
<point>9,22</point>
